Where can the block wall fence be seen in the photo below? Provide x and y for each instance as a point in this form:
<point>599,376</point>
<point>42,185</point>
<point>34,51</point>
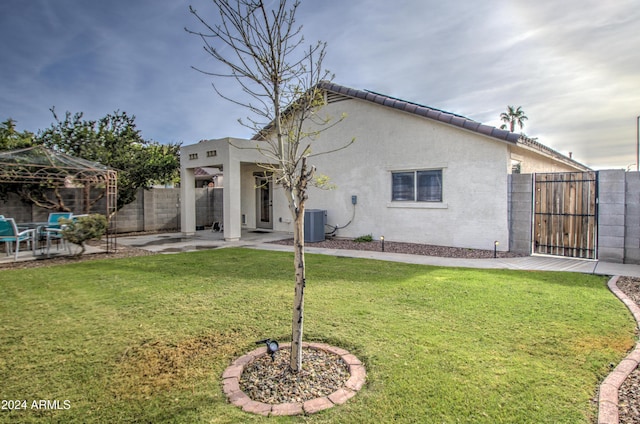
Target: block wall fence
<point>153,210</point>
<point>159,210</point>
<point>618,215</point>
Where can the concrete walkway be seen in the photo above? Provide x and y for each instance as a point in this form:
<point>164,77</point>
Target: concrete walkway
<point>175,242</point>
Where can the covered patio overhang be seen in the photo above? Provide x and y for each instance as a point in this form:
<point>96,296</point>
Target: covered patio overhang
<point>246,204</point>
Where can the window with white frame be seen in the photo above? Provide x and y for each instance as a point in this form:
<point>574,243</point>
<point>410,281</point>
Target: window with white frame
<point>417,186</point>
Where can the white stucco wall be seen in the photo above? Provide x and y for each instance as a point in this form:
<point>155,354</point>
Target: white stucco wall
<point>532,162</point>
<point>239,181</point>
<point>474,208</point>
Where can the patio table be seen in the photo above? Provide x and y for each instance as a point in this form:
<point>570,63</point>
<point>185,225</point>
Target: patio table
<point>34,225</point>
<point>31,225</point>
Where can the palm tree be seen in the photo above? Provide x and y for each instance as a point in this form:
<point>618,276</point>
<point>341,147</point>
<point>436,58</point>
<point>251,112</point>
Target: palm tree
<point>512,117</point>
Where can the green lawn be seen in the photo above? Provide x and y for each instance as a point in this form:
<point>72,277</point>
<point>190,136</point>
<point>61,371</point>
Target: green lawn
<point>146,339</point>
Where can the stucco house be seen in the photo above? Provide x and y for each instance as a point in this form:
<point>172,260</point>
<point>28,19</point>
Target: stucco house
<point>413,174</point>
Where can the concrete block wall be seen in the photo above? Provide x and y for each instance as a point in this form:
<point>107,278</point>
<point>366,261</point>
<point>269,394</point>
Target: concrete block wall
<point>73,198</point>
<point>618,215</point>
<point>131,217</point>
<point>611,215</point>
<point>520,213</point>
<point>632,218</point>
<point>208,206</point>
<point>13,207</point>
<point>161,209</point>
<point>153,210</point>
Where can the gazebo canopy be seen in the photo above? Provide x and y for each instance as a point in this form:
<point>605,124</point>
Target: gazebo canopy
<point>40,165</point>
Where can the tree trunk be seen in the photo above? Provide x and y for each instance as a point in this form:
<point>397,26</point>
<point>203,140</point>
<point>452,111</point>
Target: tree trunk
<point>299,196</point>
<point>298,302</point>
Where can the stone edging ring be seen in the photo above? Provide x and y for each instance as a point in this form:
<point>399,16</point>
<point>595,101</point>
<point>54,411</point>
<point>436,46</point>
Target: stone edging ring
<point>231,384</point>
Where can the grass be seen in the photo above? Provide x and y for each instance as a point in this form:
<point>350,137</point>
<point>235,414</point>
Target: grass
<point>146,339</point>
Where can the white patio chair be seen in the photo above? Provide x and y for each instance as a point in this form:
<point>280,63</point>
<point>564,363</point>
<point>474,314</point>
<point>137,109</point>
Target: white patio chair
<point>53,230</point>
<point>9,234</point>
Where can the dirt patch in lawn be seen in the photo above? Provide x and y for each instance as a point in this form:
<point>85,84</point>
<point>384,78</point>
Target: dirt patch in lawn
<point>154,366</point>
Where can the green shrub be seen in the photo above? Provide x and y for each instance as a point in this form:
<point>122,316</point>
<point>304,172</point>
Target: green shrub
<point>84,228</point>
<point>365,238</point>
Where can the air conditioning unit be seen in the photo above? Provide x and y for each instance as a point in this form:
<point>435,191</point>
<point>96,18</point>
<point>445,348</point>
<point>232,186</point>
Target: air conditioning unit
<point>314,222</point>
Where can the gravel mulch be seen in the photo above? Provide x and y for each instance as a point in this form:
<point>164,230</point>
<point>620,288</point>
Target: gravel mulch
<point>410,248</point>
<point>629,392</point>
<point>271,381</point>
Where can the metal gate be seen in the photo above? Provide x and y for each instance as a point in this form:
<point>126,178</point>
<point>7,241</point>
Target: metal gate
<point>566,214</point>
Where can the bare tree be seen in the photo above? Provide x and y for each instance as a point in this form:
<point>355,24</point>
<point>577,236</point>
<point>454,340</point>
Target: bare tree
<point>263,51</point>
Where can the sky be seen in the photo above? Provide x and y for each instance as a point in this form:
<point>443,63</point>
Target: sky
<point>573,66</point>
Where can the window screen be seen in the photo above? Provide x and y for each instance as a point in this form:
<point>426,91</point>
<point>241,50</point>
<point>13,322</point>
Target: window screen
<point>429,186</point>
<point>403,186</point>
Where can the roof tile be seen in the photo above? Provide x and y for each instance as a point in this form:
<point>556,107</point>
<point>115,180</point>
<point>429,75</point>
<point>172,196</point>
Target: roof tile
<point>471,125</point>
<point>484,129</point>
<point>431,113</point>
<point>498,133</point>
<point>458,121</point>
<point>411,108</point>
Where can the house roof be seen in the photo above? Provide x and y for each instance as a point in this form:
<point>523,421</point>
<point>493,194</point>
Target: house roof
<point>421,110</point>
<point>444,117</point>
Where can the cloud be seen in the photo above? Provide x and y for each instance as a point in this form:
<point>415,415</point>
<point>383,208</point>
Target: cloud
<point>572,66</point>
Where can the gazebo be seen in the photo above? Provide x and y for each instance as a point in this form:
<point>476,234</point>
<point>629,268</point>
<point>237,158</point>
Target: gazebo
<point>41,165</point>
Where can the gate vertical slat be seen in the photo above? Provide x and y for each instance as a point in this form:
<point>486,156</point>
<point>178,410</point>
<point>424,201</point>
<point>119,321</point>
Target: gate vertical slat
<point>548,207</point>
<point>592,217</point>
<point>555,219</point>
<point>538,218</point>
<point>579,220</point>
<point>573,210</point>
<point>585,221</point>
<point>537,224</point>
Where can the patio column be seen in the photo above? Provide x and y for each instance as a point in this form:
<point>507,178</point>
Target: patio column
<point>187,202</point>
<point>231,196</point>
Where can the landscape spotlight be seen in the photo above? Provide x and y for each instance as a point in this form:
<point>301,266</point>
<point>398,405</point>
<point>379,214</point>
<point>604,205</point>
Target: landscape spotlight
<point>272,347</point>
